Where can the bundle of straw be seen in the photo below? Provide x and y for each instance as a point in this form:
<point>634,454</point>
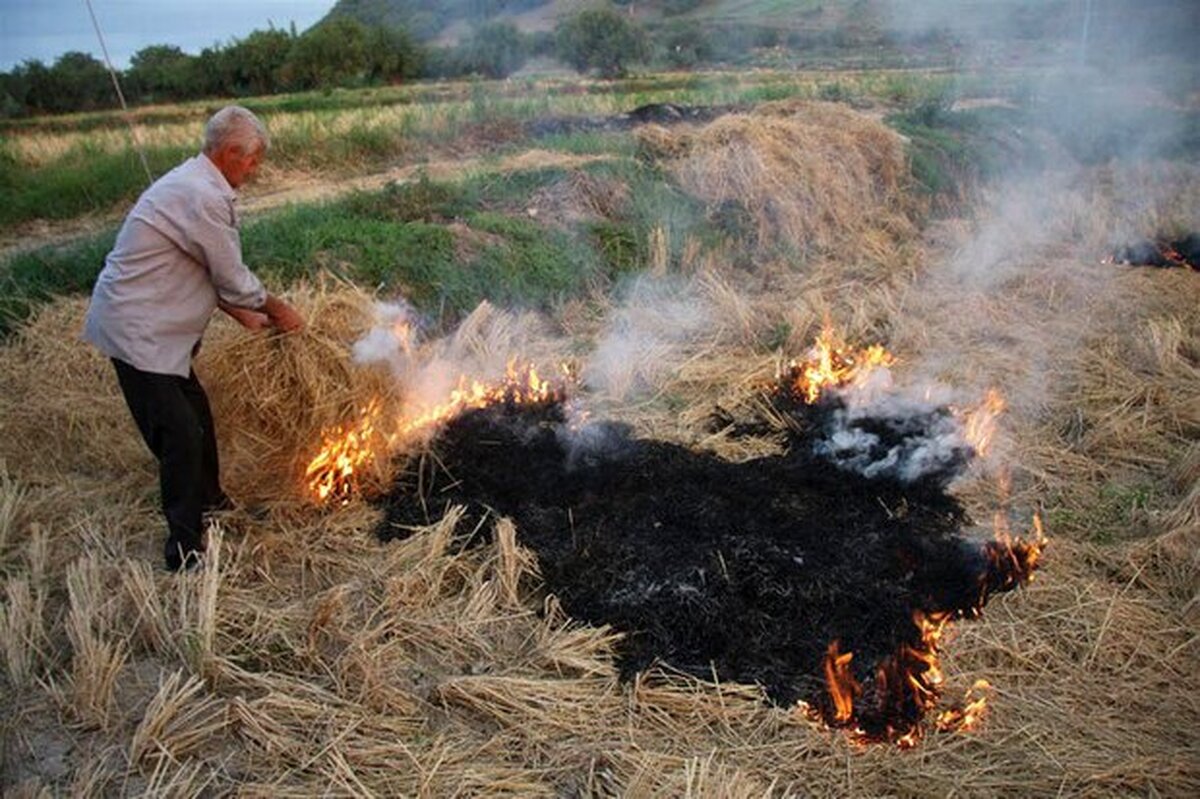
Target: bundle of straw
<point>273,395</point>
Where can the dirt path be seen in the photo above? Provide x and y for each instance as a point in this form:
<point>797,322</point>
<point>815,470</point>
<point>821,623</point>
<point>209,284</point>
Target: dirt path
<point>281,188</point>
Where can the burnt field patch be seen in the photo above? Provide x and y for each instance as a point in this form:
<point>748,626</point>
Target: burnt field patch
<point>748,571</point>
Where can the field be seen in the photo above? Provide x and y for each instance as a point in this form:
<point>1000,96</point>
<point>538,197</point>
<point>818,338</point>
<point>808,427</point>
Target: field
<point>675,266</point>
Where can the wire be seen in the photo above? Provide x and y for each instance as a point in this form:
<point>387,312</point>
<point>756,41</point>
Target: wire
<point>137,141</point>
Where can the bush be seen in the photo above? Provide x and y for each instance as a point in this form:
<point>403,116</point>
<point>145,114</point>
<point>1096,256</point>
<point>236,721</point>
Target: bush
<point>332,54</point>
<point>685,44</point>
<point>602,40</point>
<point>256,62</point>
<point>158,72</point>
<point>393,55</point>
<point>496,50</point>
<point>76,82</point>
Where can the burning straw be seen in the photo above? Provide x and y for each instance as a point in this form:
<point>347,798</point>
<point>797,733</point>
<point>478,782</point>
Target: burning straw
<point>729,568</point>
<point>273,396</point>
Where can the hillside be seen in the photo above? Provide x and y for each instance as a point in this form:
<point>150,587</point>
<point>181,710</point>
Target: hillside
<point>441,19</point>
<point>1170,24</point>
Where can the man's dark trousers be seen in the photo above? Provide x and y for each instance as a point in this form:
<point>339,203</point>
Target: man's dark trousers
<point>176,422</point>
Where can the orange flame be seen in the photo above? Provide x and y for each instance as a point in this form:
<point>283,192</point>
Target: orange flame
<point>981,422</point>
<point>840,682</point>
<point>831,364</point>
<point>520,386</point>
<point>969,715</point>
<point>908,683</point>
<point>1012,561</point>
<point>334,472</point>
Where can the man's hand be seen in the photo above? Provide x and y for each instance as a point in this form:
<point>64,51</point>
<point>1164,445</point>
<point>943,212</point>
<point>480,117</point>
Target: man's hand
<point>247,318</point>
<point>282,315</point>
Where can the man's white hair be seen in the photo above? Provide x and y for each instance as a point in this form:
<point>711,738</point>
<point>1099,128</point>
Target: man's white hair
<point>237,127</point>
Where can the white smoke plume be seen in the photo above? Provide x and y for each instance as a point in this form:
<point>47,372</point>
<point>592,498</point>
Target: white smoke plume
<point>481,348</point>
<point>1101,102</point>
<point>393,335</point>
<point>881,430</point>
<point>655,324</point>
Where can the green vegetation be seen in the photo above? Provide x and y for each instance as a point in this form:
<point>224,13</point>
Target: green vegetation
<point>341,52</point>
<point>496,49</point>
<point>601,39</point>
<point>448,244</point>
<point>33,278</point>
<point>401,239</point>
<point>1118,511</point>
<point>66,172</point>
<point>83,181</point>
<point>620,245</point>
<point>443,246</point>
<point>951,152</point>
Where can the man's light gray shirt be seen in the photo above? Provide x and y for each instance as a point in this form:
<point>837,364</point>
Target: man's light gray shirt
<point>176,255</point>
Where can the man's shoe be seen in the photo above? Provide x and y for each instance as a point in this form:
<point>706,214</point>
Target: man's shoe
<point>222,502</point>
<point>180,558</point>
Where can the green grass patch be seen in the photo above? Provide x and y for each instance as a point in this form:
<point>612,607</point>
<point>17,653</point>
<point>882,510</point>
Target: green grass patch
<point>83,181</point>
<point>1116,511</point>
<point>509,190</point>
<point>445,246</point>
<point>620,245</point>
<point>520,264</point>
<point>533,267</point>
<point>587,143</point>
<point>32,278</point>
<point>419,200</point>
<point>950,152</point>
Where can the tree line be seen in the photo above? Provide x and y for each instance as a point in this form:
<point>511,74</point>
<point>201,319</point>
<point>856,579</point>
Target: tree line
<point>343,52</point>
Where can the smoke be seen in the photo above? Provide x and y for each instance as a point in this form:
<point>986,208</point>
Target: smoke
<point>482,347</point>
<point>884,431</point>
<point>656,323</point>
<point>392,336</point>
<point>1092,143</point>
<point>654,327</point>
<point>907,448</point>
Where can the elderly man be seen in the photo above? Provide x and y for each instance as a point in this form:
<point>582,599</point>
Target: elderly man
<point>177,258</point>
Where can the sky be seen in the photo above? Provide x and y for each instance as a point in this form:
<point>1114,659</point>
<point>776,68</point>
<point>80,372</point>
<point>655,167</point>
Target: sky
<point>45,29</point>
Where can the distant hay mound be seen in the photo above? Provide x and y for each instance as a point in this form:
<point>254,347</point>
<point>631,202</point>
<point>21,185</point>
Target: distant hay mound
<point>813,175</point>
<point>272,396</point>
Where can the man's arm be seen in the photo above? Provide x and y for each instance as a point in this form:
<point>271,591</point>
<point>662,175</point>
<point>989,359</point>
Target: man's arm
<point>282,315</point>
<point>247,318</point>
<point>218,246</point>
<point>272,313</point>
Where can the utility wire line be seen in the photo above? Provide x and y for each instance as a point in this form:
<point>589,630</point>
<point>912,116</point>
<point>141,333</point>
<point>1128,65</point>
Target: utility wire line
<point>137,141</point>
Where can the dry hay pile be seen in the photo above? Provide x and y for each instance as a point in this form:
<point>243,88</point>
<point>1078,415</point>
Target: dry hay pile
<point>814,176</point>
<point>272,396</point>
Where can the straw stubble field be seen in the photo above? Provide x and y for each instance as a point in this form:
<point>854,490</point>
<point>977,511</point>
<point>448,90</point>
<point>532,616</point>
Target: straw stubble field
<point>307,658</point>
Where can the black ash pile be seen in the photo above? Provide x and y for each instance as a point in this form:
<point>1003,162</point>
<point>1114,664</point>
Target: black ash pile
<point>651,113</point>
<point>1162,252</point>
<point>749,571</point>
